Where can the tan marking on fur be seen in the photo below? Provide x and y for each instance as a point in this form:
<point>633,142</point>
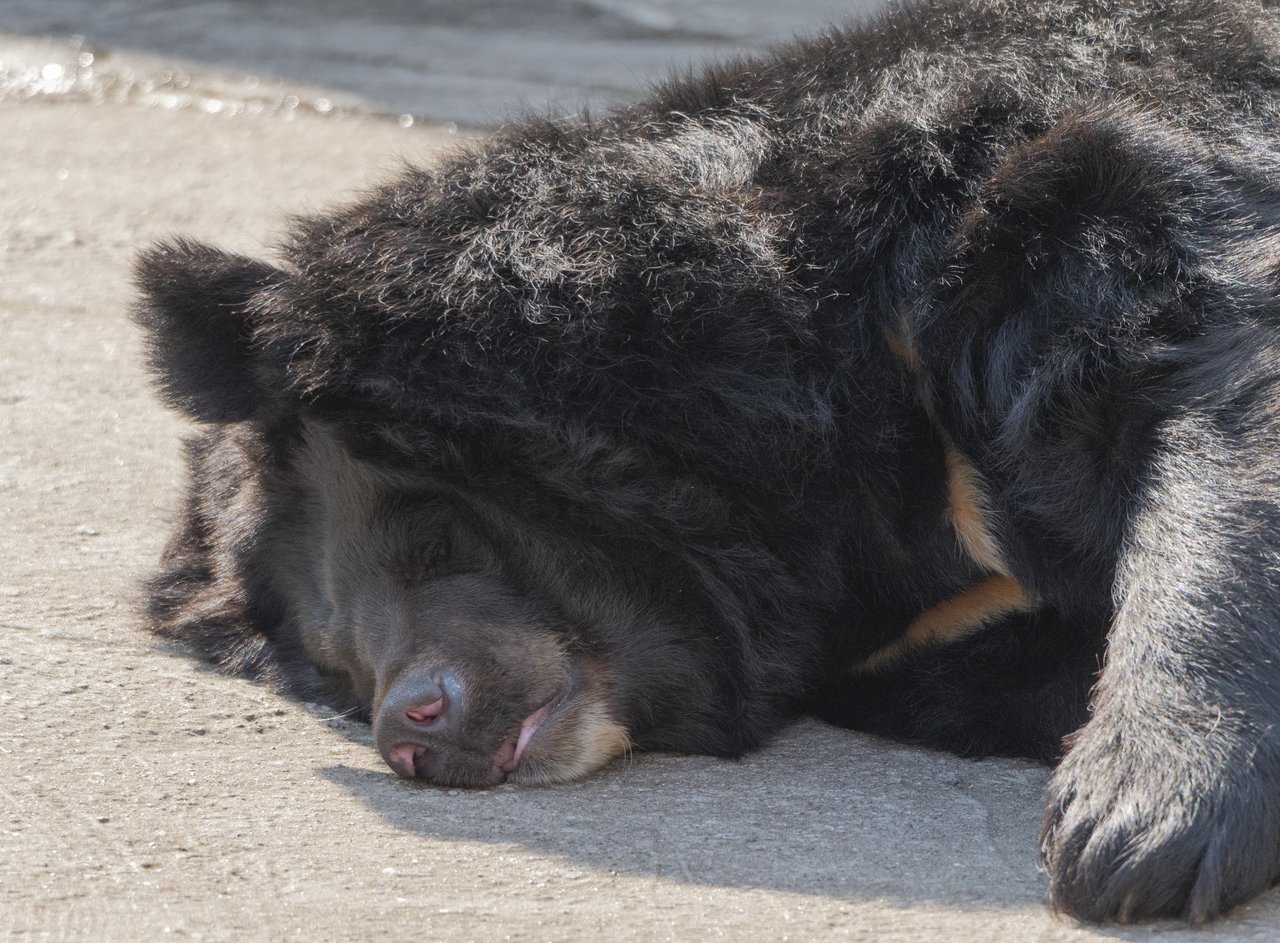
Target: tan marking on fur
<point>588,739</point>
<point>953,619</point>
<point>970,515</point>
<point>901,347</point>
<point>598,739</point>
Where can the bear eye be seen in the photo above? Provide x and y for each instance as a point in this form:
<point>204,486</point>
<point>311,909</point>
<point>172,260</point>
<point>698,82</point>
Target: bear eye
<point>419,537</point>
<point>431,549</point>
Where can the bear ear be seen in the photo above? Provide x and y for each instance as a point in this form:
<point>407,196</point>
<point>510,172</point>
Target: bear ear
<point>195,308</point>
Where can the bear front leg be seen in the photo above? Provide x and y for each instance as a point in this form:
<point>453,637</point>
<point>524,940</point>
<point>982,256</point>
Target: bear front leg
<point>1101,347</point>
<point>1168,801</point>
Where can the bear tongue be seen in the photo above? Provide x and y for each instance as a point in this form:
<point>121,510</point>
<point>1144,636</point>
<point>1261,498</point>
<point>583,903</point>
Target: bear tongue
<point>528,727</point>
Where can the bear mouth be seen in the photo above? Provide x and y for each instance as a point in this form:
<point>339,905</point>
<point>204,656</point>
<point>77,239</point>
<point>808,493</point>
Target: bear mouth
<point>530,753</point>
<point>414,760</point>
<point>571,735</point>
<point>511,752</point>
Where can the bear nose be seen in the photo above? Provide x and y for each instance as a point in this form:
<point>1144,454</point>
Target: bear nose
<point>415,718</point>
<point>423,698</point>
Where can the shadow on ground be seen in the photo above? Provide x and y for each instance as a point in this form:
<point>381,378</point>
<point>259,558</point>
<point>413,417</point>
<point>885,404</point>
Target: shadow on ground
<point>821,812</point>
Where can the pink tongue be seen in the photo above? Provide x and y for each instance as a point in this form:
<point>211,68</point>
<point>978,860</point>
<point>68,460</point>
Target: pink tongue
<point>527,730</point>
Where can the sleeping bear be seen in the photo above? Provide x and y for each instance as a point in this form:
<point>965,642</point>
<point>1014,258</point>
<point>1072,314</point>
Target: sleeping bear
<point>922,376</point>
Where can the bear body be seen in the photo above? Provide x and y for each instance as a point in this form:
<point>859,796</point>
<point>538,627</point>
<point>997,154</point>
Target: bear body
<point>921,376</point>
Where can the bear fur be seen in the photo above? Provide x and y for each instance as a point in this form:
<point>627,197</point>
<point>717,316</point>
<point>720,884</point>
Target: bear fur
<point>921,376</point>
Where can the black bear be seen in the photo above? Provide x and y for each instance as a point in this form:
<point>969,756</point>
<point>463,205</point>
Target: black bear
<point>922,376</point>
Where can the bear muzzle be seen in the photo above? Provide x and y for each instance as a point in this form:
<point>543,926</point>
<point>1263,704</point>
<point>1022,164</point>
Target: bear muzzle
<point>421,731</point>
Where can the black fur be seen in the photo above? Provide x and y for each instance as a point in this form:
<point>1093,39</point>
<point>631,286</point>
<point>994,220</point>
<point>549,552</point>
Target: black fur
<point>681,385</point>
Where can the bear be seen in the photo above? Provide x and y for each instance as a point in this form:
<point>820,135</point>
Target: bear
<point>920,376</point>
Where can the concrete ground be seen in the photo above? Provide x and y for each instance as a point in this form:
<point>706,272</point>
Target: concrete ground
<point>143,797</point>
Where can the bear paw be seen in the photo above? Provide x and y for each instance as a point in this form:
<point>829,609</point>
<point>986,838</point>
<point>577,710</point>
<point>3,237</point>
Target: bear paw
<point>1185,829</point>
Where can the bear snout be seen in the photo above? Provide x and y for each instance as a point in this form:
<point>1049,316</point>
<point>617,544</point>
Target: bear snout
<point>421,730</point>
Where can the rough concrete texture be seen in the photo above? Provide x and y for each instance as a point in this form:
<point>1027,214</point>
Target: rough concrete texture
<point>144,797</point>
